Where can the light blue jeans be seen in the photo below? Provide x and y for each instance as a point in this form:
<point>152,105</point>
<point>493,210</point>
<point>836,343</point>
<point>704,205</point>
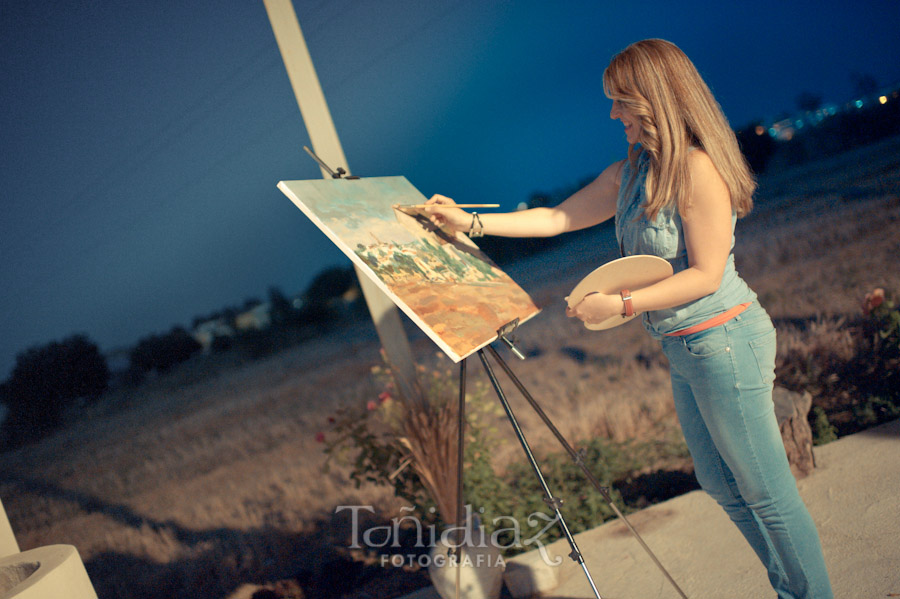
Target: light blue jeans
<point>722,382</point>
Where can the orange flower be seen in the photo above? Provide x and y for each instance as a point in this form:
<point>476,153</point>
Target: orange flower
<point>873,300</point>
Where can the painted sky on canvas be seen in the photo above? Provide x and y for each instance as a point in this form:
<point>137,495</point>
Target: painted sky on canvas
<point>141,143</point>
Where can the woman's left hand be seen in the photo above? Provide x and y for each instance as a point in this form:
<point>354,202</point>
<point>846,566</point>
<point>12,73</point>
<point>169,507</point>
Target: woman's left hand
<point>596,307</point>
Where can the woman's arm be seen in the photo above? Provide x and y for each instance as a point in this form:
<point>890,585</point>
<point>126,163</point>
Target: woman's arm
<point>590,205</point>
<point>707,235</point>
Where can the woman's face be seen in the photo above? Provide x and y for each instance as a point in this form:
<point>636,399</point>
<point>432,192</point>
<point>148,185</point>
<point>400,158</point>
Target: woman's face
<point>631,122</point>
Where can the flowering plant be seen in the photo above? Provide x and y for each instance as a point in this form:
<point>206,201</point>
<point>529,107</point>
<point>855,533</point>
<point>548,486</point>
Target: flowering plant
<point>410,443</point>
<point>884,329</point>
<point>873,300</point>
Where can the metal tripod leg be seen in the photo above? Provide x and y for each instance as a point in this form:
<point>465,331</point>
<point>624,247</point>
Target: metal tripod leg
<point>578,459</point>
<point>460,451</point>
<point>553,502</point>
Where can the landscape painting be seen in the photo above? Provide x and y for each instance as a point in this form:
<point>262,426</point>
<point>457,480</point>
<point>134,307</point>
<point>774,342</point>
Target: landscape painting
<point>442,281</point>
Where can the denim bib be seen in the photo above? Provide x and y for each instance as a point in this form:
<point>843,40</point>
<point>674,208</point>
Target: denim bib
<point>664,237</point>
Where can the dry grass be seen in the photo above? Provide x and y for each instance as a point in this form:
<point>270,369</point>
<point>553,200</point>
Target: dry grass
<point>210,478</point>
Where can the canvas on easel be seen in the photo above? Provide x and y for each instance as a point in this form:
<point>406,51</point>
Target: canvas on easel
<point>443,282</point>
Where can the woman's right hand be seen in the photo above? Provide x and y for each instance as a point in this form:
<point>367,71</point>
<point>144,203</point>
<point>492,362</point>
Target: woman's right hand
<point>442,211</point>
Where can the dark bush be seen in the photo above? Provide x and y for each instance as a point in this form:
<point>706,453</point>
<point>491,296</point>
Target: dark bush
<point>330,284</point>
<point>161,352</point>
<point>281,309</point>
<point>221,343</point>
<point>757,148</point>
<point>48,379</point>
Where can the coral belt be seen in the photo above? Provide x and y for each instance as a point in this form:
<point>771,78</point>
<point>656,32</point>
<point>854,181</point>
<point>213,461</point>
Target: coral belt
<point>712,322</point>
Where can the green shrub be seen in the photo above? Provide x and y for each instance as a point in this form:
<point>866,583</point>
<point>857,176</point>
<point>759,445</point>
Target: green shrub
<point>822,430</point>
<point>377,439</point>
<point>514,505</point>
<point>368,438</point>
<point>850,366</point>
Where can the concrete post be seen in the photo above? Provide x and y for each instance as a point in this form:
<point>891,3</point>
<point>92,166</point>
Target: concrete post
<point>327,146</point>
<point>8,543</point>
<point>45,572</point>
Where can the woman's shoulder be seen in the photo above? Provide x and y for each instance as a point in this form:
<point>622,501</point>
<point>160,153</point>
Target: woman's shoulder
<point>706,182</point>
<point>613,172</point>
<point>698,156</point>
<point>700,165</point>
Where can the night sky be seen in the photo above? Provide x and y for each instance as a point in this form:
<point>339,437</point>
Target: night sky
<point>142,141</point>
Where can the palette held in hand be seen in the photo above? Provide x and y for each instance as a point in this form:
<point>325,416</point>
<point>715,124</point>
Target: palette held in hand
<point>631,273</point>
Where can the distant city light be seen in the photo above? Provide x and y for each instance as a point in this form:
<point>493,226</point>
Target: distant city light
<point>788,127</point>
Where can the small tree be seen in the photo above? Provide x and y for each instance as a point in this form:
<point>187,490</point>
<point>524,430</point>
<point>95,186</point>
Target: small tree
<point>329,284</point>
<point>864,83</point>
<point>757,146</point>
<point>162,352</point>
<point>318,308</point>
<point>808,101</point>
<point>48,379</point>
<point>281,308</point>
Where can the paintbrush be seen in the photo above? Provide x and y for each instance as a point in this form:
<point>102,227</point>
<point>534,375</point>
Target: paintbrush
<point>420,206</point>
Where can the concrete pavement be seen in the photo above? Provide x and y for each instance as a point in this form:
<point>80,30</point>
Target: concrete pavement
<point>853,496</point>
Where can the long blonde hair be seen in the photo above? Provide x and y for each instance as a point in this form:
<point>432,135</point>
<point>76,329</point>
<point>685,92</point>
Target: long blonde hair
<point>657,82</point>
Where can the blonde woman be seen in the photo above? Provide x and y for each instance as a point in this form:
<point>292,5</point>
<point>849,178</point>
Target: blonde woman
<point>678,195</point>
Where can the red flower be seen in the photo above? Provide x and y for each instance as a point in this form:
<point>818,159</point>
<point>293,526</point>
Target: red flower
<point>320,437</point>
<point>371,405</point>
<point>384,396</point>
<point>873,300</point>
<point>331,420</point>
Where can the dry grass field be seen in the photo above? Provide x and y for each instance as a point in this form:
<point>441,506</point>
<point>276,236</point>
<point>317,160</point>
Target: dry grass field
<point>209,478</point>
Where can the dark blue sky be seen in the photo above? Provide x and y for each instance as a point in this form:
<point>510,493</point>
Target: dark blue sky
<point>142,141</point>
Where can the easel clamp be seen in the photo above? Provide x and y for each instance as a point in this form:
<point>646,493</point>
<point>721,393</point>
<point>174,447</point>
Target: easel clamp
<point>503,334</point>
<point>339,174</point>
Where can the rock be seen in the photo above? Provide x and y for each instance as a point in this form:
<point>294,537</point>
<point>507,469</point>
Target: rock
<point>530,575</point>
<point>245,591</point>
<point>283,589</point>
<point>791,410</point>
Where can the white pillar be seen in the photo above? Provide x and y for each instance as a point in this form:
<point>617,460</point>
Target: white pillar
<point>327,146</point>
<point>8,544</point>
<point>44,573</point>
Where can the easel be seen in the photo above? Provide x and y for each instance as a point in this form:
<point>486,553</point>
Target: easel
<point>504,334</point>
<point>553,502</point>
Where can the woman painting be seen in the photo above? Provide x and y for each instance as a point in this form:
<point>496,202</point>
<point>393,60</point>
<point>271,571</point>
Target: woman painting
<point>678,195</point>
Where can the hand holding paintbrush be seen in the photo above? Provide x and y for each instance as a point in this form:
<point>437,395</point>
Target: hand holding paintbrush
<point>448,215</point>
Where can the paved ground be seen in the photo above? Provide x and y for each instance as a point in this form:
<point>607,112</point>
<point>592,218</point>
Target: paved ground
<point>853,495</point>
